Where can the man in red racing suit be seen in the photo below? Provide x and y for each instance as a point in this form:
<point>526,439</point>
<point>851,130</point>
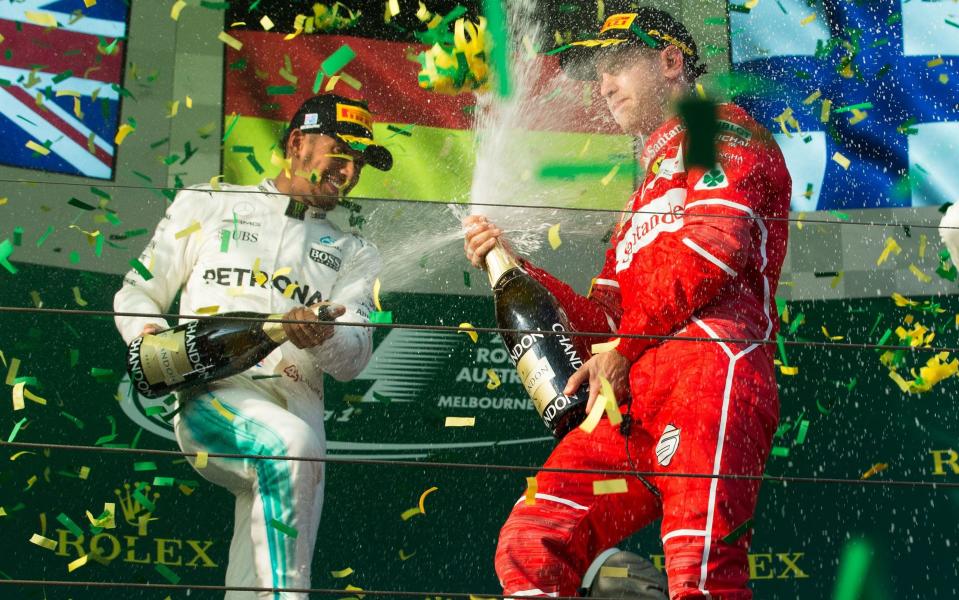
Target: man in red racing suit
<point>697,254</point>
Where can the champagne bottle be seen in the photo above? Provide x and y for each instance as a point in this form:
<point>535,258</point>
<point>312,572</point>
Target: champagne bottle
<point>545,362</point>
<point>198,352</point>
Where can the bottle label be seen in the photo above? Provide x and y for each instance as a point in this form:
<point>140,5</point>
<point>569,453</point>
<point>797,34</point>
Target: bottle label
<point>537,378</point>
<point>274,331</point>
<point>165,358</point>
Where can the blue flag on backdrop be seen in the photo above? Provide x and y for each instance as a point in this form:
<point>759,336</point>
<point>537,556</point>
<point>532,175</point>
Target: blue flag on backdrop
<point>868,108</point>
<point>61,83</point>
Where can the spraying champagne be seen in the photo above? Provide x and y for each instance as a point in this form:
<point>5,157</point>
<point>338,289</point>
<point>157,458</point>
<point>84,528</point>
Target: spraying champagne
<point>545,362</point>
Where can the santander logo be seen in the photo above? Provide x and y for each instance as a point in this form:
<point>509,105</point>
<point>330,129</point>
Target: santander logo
<point>664,214</point>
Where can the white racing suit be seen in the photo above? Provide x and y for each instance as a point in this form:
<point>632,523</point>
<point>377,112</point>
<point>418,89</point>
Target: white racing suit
<point>251,248</point>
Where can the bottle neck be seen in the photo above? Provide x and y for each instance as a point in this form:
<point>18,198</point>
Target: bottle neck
<point>498,263</point>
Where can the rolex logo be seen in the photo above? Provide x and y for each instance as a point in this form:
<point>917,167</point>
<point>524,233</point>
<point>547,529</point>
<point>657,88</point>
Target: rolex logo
<point>136,503</point>
<point>667,446</point>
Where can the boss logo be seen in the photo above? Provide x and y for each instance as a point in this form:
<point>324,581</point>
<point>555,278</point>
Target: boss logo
<point>325,258</point>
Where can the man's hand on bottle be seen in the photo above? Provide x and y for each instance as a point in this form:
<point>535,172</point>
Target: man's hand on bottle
<point>150,329</point>
<point>310,335</point>
<point>481,236</point>
<point>612,365</point>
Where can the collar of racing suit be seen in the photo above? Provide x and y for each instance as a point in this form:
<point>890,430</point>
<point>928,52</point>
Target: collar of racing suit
<point>661,138</point>
<point>294,208</point>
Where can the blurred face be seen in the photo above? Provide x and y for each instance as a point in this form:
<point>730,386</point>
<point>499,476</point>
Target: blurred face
<point>323,168</point>
<point>637,85</point>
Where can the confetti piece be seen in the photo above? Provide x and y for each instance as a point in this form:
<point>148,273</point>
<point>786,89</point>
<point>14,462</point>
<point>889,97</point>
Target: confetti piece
<point>333,63</point>
<point>145,465</point>
<point>201,460</point>
<point>615,572</point>
<point>494,380</point>
<point>531,487</point>
<point>802,431</point>
<point>70,525</point>
<point>788,370</point>
<point>812,97</point>
<point>875,470</point>
<point>73,566</point>
<point>423,498</point>
<point>12,371</point>
<point>594,416</point>
<point>381,316</point>
<point>16,429</point>
<point>405,556</point>
<point>284,528</point>
<point>854,566</point>
<point>826,110</point>
<point>220,409</point>
<point>43,542</point>
<point>891,247</point>
<point>208,310</point>
<point>230,41</point>
<point>84,472</point>
<point>460,421</point>
<point>376,294</point>
<point>266,23</point>
<point>920,275</point>
<point>122,133</point>
<point>467,328</point>
<point>78,298</point>
<point>604,347</point>
<point>6,250</point>
<point>808,20</point>
<point>224,241</point>
<point>168,574</point>
<point>841,160</point>
<point>33,397</point>
<point>189,230</point>
<point>553,237</point>
<point>18,403</point>
<point>42,150</point>
<point>140,268</point>
<point>609,486</point>
<point>342,573</point>
<point>410,513</point>
<point>737,533</point>
<point>178,6</point>
<point>41,18</point>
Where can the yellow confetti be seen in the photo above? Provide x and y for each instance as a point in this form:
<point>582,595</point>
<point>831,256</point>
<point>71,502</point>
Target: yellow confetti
<point>834,282</point>
<point>891,247</point>
<point>608,178</point>
<point>17,455</point>
<point>788,370</point>
<point>531,487</point>
<point>266,23</point>
<point>834,338</point>
<point>189,102</point>
<point>73,566</point>
<point>943,78</point>
<point>612,407</point>
<point>175,11</point>
<point>460,421</point>
<point>342,573</point>
<point>812,97</point>
<point>405,556</point>
<point>122,133</point>
<point>288,292</point>
<point>841,160</point>
<point>41,18</point>
<point>595,414</point>
<point>615,572</point>
<point>858,116</point>
<point>410,513</point>
<point>875,470</point>
<point>3,201</point>
<point>189,230</point>
<point>826,110</point>
<point>901,301</point>
<point>701,91</point>
<point>78,298</point>
<point>923,240</point>
<point>43,542</point>
<point>808,20</point>
<point>467,328</point>
<point>33,397</point>
<point>376,295</point>
<point>208,310</point>
<point>902,383</point>
<point>230,41</point>
<point>215,182</point>
<point>201,460</point>
<point>174,108</point>
<point>84,472</point>
<point>935,62</point>
<point>42,150</point>
<point>553,237</point>
<point>494,381</point>
<point>89,3</point>
<point>423,498</point>
<point>18,403</point>
<point>604,347</point>
<point>219,408</point>
<point>919,274</point>
<point>12,371</point>
<point>609,486</point>
<point>392,9</point>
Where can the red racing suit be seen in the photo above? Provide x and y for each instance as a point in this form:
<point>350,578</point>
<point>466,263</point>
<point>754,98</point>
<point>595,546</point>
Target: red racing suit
<point>697,254</point>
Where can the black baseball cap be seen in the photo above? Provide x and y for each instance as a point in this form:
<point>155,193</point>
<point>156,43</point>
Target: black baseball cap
<point>344,118</point>
<point>647,27</point>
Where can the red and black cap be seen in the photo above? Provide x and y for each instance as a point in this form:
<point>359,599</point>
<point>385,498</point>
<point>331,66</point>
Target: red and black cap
<point>647,27</point>
<point>344,118</point>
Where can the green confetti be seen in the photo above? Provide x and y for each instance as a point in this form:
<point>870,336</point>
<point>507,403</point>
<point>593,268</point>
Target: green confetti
<point>466,278</point>
<point>140,268</point>
<point>154,410</point>
<point>290,531</point>
<point>499,54</point>
<point>737,533</point>
<point>45,235</point>
<point>381,316</point>
<point>79,424</point>
<point>63,76</point>
<point>214,5</point>
<point>782,349</point>
<point>797,321</point>
<point>381,398</point>
<point>18,236</point>
<point>780,451</point>
<point>256,165</point>
<point>224,241</point>
<point>852,107</point>
<point>801,433</point>
<point>167,574</point>
<point>70,525</point>
<point>100,372</point>
<point>80,204</point>
<point>333,64</point>
<point>280,90</point>
<point>164,481</point>
<point>145,465</point>
<point>140,497</point>
<point>229,128</point>
<point>265,376</point>
<point>6,249</point>
<point>16,429</point>
<point>853,570</point>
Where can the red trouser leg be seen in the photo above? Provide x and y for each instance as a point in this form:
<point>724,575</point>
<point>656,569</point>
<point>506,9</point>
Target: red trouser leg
<point>544,548</point>
<point>709,393</point>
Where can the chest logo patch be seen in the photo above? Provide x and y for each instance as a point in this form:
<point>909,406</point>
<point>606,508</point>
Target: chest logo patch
<point>713,180</point>
<point>664,214</point>
<point>325,257</point>
<point>667,446</point>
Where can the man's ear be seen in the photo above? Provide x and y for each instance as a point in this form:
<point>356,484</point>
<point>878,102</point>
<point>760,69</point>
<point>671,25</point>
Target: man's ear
<point>672,61</point>
<point>294,143</point>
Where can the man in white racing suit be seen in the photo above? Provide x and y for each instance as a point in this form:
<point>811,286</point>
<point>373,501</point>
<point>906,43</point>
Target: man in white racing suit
<point>269,248</point>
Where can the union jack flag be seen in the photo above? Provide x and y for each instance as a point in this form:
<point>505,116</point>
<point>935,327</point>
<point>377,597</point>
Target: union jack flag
<point>870,103</point>
<point>61,71</point>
